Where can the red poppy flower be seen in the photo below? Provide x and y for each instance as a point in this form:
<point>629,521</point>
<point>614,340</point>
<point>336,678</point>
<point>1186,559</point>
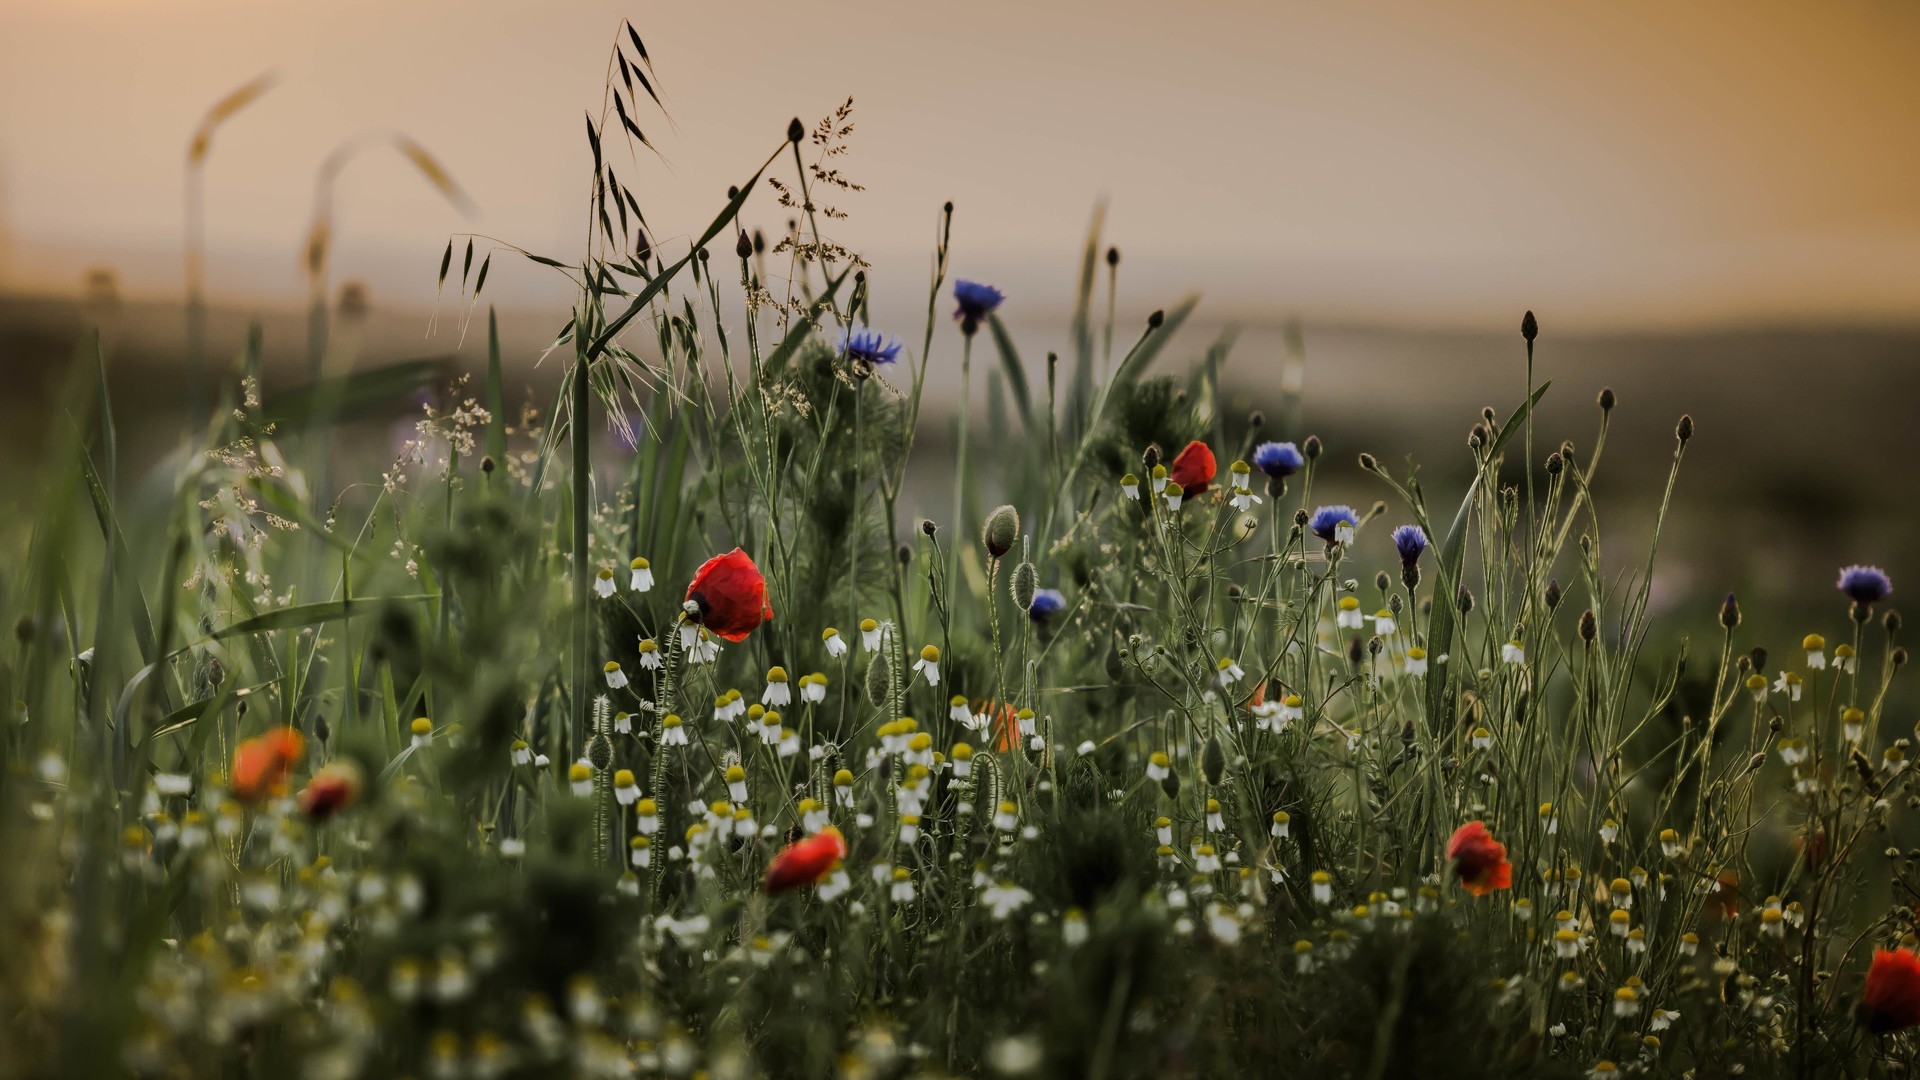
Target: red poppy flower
<point>731,595</point>
<point>1479,860</point>
<point>804,862</point>
<point>331,790</point>
<point>261,764</point>
<point>1891,1001</point>
<point>1192,468</point>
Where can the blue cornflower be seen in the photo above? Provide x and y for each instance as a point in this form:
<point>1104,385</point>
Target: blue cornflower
<point>1865,585</point>
<point>976,301</point>
<point>1046,603</point>
<point>1334,524</point>
<point>1410,541</point>
<point>869,347</point>
<point>1278,459</point>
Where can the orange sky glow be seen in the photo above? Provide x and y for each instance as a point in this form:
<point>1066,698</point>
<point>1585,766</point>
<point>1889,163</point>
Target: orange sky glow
<point>1623,163</point>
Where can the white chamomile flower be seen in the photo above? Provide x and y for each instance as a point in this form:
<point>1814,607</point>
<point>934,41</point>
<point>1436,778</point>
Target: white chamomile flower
<point>649,654</point>
<point>778,693</point>
<point>1348,616</point>
<point>1230,672</point>
<point>616,679</point>
<point>1130,487</point>
<point>929,664</point>
<point>603,582</point>
<point>642,575</point>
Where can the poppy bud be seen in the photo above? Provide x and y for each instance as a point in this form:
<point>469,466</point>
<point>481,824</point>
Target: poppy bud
<point>1311,447</point>
<point>796,131</point>
<point>1555,464</point>
<point>1213,761</point>
<point>1465,600</point>
<point>928,527</point>
<point>1381,581</point>
<point>1151,457</point>
<point>1001,531</point>
<point>1891,621</point>
<point>905,555</point>
<point>1553,593</point>
<point>1477,437</point>
<point>1154,320</point>
<point>1759,655</point>
<point>486,464</point>
<point>1898,657</point>
<point>1606,399</point>
<point>1589,626</point>
<point>1369,462</point>
<point>1022,586</point>
<point>759,241</point>
<point>743,247</point>
<point>1529,327</point>
<point>1684,430</point>
<point>1300,518</point>
<point>1256,419</point>
<point>1113,256</point>
<point>600,753</point>
<point>1356,652</point>
<point>877,682</point>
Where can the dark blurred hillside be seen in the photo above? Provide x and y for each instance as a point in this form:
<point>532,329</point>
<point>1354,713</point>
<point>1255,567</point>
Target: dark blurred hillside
<point>1804,456</point>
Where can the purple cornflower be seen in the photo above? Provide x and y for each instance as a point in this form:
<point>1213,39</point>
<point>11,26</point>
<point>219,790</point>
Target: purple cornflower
<point>1865,585</point>
<point>1278,459</point>
<point>869,347</point>
<point>1046,603</point>
<point>1410,541</point>
<point>977,301</point>
<point>1334,524</point>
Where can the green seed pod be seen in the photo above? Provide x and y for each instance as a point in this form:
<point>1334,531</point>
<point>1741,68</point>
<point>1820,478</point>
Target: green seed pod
<point>1001,531</point>
<point>1022,585</point>
<point>1213,761</point>
<point>877,681</point>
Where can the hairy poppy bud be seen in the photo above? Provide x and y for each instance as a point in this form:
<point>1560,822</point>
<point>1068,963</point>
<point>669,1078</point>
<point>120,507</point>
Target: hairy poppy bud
<point>1553,593</point>
<point>1684,430</point>
<point>1529,327</point>
<point>1759,655</point>
<point>1001,531</point>
<point>877,682</point>
<point>600,752</point>
<point>1113,256</point>
<point>927,526</point>
<point>1213,761</point>
<point>1606,399</point>
<point>486,464</point>
<point>1477,437</point>
<point>1891,621</point>
<point>1381,581</point>
<point>1154,320</point>
<point>1151,457</point>
<point>1369,462</point>
<point>743,247</point>
<point>1023,585</point>
<point>1311,447</point>
<point>1465,600</point>
<point>1555,463</point>
<point>796,131</point>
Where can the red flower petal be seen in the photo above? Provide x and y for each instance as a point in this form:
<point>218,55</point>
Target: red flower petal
<point>1479,861</point>
<point>1193,468</point>
<point>1891,1001</point>
<point>804,862</point>
<point>731,594</point>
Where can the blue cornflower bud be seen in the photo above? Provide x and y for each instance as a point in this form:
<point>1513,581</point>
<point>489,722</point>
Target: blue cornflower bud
<point>976,301</point>
<point>1046,603</point>
<point>1334,524</point>
<point>1410,541</point>
<point>1278,459</point>
<point>869,347</point>
<point>1865,585</point>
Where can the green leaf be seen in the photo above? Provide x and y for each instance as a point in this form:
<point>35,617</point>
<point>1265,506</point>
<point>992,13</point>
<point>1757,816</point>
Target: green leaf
<point>1016,372</point>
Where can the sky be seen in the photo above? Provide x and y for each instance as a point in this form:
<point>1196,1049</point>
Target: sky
<point>1622,164</point>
